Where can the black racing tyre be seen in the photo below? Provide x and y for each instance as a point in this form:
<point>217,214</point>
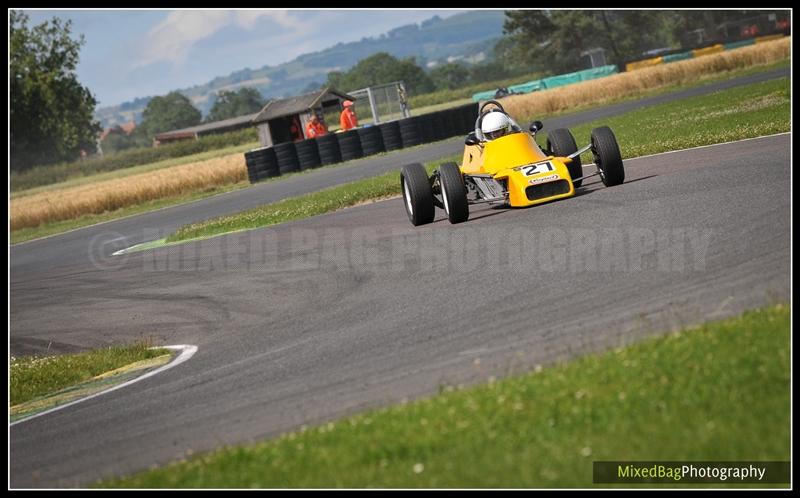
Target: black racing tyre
<point>371,140</point>
<point>265,164</point>
<point>287,157</point>
<point>454,193</point>
<point>607,156</point>
<point>441,126</point>
<point>467,114</point>
<point>561,143</point>
<point>390,133</point>
<point>308,154</point>
<point>252,176</point>
<point>409,132</point>
<point>263,175</point>
<point>417,194</point>
<point>265,155</point>
<point>427,131</point>
<point>454,127</point>
<point>329,152</point>
<point>350,145</point>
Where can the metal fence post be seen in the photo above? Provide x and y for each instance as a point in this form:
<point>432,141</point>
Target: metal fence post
<point>375,117</point>
<point>401,96</point>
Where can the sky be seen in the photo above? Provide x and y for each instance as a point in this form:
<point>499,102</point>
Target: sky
<point>137,53</point>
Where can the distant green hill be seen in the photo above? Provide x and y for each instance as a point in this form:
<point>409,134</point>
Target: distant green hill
<point>468,37</point>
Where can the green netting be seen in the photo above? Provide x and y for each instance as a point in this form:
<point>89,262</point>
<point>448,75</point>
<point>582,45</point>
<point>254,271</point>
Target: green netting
<point>597,72</point>
<point>484,95</point>
<point>553,81</point>
<point>528,87</point>
<point>678,57</point>
<point>741,43</point>
<point>561,80</point>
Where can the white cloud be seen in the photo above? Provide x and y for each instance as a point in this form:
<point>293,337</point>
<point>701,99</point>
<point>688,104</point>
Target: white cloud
<point>249,18</point>
<point>172,39</point>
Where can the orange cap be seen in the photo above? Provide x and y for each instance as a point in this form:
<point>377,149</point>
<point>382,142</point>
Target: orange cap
<point>348,103</point>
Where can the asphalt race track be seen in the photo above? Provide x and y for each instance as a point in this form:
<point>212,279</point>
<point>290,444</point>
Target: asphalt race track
<point>319,318</point>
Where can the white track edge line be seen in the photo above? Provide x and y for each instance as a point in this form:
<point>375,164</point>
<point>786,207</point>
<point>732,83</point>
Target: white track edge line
<point>187,351</point>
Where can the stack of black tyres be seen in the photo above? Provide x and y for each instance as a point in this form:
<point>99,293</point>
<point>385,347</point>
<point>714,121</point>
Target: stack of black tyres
<point>261,164</point>
<point>457,117</point>
<point>409,132</point>
<point>472,114</point>
<point>469,114</point>
<point>392,138</point>
<point>308,154</point>
<point>287,157</point>
<point>328,147</point>
<point>427,131</point>
<point>371,140</point>
<point>444,124</point>
<point>350,145</point>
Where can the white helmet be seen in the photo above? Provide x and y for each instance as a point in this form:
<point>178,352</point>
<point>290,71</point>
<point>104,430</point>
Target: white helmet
<point>495,125</point>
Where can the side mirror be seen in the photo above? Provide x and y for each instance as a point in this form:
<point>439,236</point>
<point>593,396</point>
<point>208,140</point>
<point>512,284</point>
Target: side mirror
<point>536,126</point>
<point>471,139</point>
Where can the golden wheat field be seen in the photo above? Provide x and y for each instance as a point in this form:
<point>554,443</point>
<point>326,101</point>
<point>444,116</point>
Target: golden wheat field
<point>528,106</point>
<point>108,195</point>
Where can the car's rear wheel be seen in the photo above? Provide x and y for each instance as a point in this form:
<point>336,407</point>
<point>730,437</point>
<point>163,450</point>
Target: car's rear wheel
<point>561,143</point>
<point>454,193</point>
<point>607,156</point>
<point>417,194</point>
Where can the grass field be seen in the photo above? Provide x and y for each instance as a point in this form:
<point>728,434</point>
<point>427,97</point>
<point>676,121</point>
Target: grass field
<point>32,377</point>
<point>87,200</point>
<point>135,170</point>
<point>109,195</point>
<point>720,391</point>
<point>743,112</point>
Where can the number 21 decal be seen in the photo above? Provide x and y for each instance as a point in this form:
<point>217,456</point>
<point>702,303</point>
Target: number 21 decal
<point>535,169</point>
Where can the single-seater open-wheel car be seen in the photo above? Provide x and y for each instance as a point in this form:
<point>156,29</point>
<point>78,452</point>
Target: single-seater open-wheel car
<point>503,164</point>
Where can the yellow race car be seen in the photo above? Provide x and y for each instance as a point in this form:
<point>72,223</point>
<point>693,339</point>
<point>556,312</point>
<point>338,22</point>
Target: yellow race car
<point>506,166</point>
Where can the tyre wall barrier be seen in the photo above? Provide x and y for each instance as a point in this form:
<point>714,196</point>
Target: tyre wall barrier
<point>287,157</point>
<point>329,152</point>
<point>350,145</point>
<point>261,163</point>
<point>371,140</point>
<point>308,154</point>
<point>409,132</point>
<point>392,138</point>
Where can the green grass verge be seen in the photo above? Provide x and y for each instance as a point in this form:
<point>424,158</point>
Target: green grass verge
<point>744,112</point>
<point>720,391</point>
<point>294,208</point>
<point>32,377</point>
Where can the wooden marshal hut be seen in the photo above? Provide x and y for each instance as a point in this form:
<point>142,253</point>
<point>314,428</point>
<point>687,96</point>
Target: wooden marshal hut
<point>280,120</point>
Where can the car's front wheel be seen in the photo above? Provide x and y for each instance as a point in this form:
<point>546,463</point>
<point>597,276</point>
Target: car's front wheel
<point>417,194</point>
<point>561,143</point>
<point>454,193</point>
<point>607,156</point>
